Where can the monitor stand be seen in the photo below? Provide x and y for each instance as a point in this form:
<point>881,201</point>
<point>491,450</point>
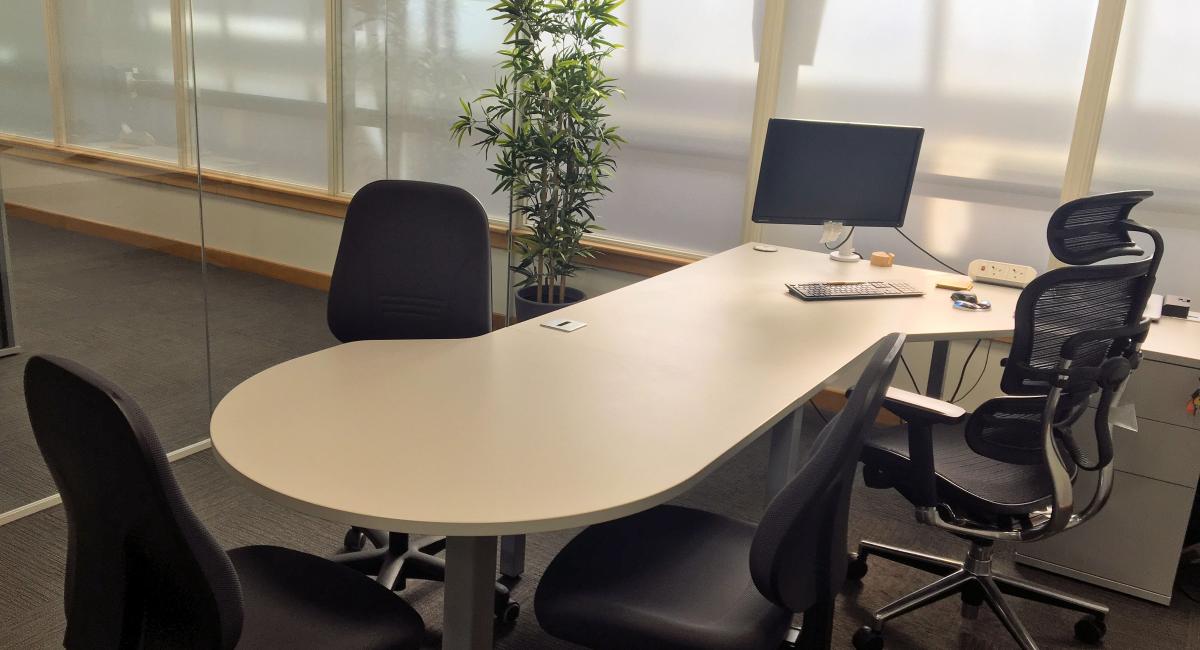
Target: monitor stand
<point>845,252</point>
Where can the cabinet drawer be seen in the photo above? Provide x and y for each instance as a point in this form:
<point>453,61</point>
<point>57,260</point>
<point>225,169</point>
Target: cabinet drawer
<point>1135,540</point>
<point>1161,391</point>
<point>1157,450</point>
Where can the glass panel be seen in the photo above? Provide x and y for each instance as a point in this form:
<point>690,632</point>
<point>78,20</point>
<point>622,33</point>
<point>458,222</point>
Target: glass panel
<point>25,100</point>
<point>102,262</point>
<point>260,71</point>
<point>1151,130</point>
<point>996,85</point>
<point>118,76</point>
<point>417,57</point>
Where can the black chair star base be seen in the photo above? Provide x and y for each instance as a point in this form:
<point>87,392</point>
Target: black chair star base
<point>403,557</point>
<point>975,584</point>
<point>1007,471</point>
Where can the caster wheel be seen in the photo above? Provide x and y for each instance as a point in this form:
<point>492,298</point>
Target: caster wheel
<point>354,540</point>
<point>867,639</point>
<point>857,569</point>
<point>1090,629</point>
<point>508,612</point>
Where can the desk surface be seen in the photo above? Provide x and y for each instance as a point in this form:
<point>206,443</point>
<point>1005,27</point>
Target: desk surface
<point>528,429</point>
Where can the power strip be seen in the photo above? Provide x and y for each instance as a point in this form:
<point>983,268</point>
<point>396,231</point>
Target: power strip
<point>1002,273</point>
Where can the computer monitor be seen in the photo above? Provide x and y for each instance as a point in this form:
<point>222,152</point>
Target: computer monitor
<point>816,172</point>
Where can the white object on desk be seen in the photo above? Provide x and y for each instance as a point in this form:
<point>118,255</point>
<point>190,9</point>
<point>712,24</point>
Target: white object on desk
<point>679,373</point>
<point>563,324</point>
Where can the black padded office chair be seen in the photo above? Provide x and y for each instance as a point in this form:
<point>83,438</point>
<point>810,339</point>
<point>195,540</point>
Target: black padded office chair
<point>1009,474</point>
<point>414,262</point>
<point>142,571</point>
<point>674,577</point>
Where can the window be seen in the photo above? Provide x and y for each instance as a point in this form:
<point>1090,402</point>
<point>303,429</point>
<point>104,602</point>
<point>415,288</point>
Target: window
<point>261,86</point>
<point>689,71</point>
<point>118,76</point>
<point>417,58</point>
<point>25,107</point>
<point>996,84</point>
<point>1151,132</point>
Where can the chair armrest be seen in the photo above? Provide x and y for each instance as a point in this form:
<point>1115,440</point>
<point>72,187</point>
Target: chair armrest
<point>912,407</point>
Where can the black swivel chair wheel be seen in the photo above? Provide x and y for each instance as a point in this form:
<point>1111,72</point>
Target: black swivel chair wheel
<point>354,540</point>
<point>1090,629</point>
<point>856,570</point>
<point>507,611</point>
<point>867,638</point>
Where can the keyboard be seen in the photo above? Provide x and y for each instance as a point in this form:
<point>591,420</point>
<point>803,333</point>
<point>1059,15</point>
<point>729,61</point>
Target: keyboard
<point>852,290</point>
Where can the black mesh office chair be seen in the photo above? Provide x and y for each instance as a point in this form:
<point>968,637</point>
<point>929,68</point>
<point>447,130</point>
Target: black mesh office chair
<point>1008,475</point>
<point>674,577</point>
<point>414,262</point>
<point>142,571</point>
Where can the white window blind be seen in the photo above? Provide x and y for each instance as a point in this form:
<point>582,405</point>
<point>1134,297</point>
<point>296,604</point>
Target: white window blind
<point>994,82</point>
<point>417,58</point>
<point>118,76</point>
<point>25,95</point>
<point>689,69</point>
<point>1151,133</point>
<point>261,86</point>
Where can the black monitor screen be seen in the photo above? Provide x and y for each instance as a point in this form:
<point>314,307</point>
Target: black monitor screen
<point>859,174</point>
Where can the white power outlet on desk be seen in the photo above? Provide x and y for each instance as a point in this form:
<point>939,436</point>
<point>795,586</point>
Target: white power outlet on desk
<point>1003,273</point>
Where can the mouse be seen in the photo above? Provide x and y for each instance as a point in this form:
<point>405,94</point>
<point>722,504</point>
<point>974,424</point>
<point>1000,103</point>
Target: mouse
<point>968,301</point>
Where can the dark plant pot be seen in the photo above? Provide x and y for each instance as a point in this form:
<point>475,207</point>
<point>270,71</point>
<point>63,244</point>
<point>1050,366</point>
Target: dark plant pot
<point>528,307</point>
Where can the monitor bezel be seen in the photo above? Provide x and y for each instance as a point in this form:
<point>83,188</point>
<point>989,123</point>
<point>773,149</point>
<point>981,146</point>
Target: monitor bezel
<point>873,223</point>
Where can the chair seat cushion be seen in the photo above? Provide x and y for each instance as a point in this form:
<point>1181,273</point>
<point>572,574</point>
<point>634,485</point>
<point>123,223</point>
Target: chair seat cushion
<point>296,600</point>
<point>974,486</point>
<point>669,577</point>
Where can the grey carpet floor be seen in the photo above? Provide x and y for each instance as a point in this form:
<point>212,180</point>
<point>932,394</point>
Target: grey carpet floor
<point>137,316</point>
<point>257,322</point>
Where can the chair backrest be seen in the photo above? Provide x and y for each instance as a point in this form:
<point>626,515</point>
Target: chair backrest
<point>414,262</point>
<point>141,569</point>
<point>798,557</point>
<point>1064,302</point>
<point>1094,228</point>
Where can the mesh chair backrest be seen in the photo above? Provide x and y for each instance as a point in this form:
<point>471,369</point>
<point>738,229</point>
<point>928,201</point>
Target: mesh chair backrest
<point>1064,302</point>
<point>798,557</point>
<point>1094,228</point>
<point>141,569</point>
<point>414,262</point>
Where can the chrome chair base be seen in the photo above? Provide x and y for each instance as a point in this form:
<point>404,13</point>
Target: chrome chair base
<point>974,581</point>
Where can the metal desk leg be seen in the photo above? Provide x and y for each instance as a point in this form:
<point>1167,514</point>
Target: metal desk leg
<point>937,369</point>
<point>512,556</point>
<point>785,452</point>
<point>469,593</point>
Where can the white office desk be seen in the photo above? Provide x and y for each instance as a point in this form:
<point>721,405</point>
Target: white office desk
<point>529,429</point>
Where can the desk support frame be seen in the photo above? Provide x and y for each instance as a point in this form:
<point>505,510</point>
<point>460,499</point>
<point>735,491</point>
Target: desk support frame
<point>937,369</point>
<point>512,556</point>
<point>468,595</point>
<point>784,461</point>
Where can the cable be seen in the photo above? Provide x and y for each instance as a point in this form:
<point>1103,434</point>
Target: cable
<point>910,375</point>
<point>843,242</point>
<point>931,255</point>
<point>818,410</point>
<point>982,371</point>
<point>963,373</point>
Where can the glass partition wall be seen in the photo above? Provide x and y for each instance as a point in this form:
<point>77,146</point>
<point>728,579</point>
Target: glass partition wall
<point>175,173</point>
<point>101,219</point>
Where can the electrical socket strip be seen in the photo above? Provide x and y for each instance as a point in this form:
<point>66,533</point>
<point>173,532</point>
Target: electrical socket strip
<point>1002,273</point>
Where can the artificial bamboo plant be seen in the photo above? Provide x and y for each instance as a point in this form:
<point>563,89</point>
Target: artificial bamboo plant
<point>546,118</point>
